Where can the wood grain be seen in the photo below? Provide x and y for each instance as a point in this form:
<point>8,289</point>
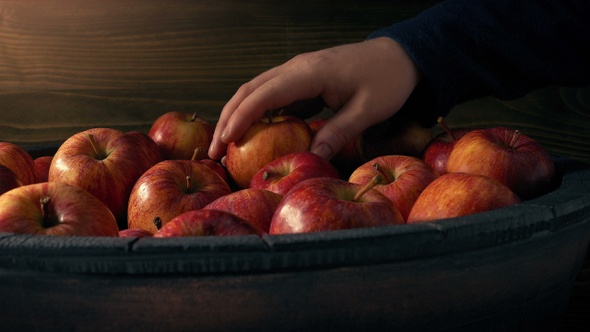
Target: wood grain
<point>67,65</point>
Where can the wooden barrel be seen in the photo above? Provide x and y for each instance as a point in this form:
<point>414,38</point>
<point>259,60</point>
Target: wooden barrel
<point>508,269</point>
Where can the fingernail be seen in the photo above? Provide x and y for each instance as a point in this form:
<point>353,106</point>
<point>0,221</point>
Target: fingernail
<point>323,150</point>
<point>212,146</point>
<point>225,132</point>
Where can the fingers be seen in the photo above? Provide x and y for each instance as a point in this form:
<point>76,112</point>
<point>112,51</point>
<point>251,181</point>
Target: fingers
<point>273,89</point>
<point>343,126</point>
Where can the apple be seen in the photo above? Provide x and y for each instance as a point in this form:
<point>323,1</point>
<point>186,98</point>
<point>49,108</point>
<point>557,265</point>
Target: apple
<point>55,208</point>
<point>437,152</point>
<point>217,167</point>
<point>105,162</point>
<point>324,204</point>
<point>460,194</point>
<point>19,161</point>
<point>404,178</point>
<point>178,134</point>
<point>42,164</point>
<point>345,160</point>
<point>256,206</point>
<point>135,232</point>
<point>170,188</point>
<point>213,164</point>
<point>397,135</point>
<point>281,174</point>
<point>149,147</point>
<point>206,223</point>
<point>265,141</point>
<point>8,179</point>
<point>506,155</point>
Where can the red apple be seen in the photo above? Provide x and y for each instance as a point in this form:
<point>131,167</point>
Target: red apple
<point>324,204</point>
<point>395,136</point>
<point>460,194</point>
<point>256,206</point>
<point>206,223</point>
<point>55,208</point>
<point>105,162</point>
<point>19,161</point>
<point>217,167</point>
<point>135,232</point>
<point>437,152</point>
<point>265,141</point>
<point>506,155</point>
<point>345,160</point>
<point>42,164</point>
<point>281,174</point>
<point>8,179</point>
<point>213,164</point>
<point>404,178</point>
<point>170,188</point>
<point>149,147</point>
<point>178,134</point>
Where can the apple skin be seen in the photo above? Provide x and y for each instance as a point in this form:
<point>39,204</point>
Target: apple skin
<point>345,160</point>
<point>71,211</point>
<point>403,179</point>
<point>149,149</point>
<point>19,161</point>
<point>265,141</point>
<point>396,136</point>
<point>438,150</point>
<point>8,180</point>
<point>325,204</point>
<point>217,167</point>
<point>178,134</point>
<point>256,206</point>
<point>460,194</point>
<point>42,164</point>
<point>206,223</point>
<point>135,232</point>
<point>109,175</point>
<point>281,174</point>
<point>163,192</point>
<point>506,155</point>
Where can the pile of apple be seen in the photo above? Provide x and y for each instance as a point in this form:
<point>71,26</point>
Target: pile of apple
<point>105,182</point>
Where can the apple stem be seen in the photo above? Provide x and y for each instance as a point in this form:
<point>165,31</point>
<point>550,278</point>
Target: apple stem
<point>194,117</point>
<point>374,181</point>
<point>44,208</point>
<point>158,222</point>
<point>269,117</point>
<point>377,167</point>
<point>44,202</point>
<point>95,147</point>
<point>196,153</point>
<point>265,175</point>
<point>514,139</point>
<point>441,122</point>
<point>188,183</point>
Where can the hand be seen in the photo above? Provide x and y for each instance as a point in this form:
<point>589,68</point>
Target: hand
<point>363,83</point>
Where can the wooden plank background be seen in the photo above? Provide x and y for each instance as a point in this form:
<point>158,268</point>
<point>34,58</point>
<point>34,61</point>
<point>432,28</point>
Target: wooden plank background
<point>67,65</point>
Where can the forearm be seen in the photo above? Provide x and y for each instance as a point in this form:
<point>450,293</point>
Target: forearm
<point>467,49</point>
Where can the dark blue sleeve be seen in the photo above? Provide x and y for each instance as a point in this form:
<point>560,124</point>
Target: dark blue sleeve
<point>467,49</point>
